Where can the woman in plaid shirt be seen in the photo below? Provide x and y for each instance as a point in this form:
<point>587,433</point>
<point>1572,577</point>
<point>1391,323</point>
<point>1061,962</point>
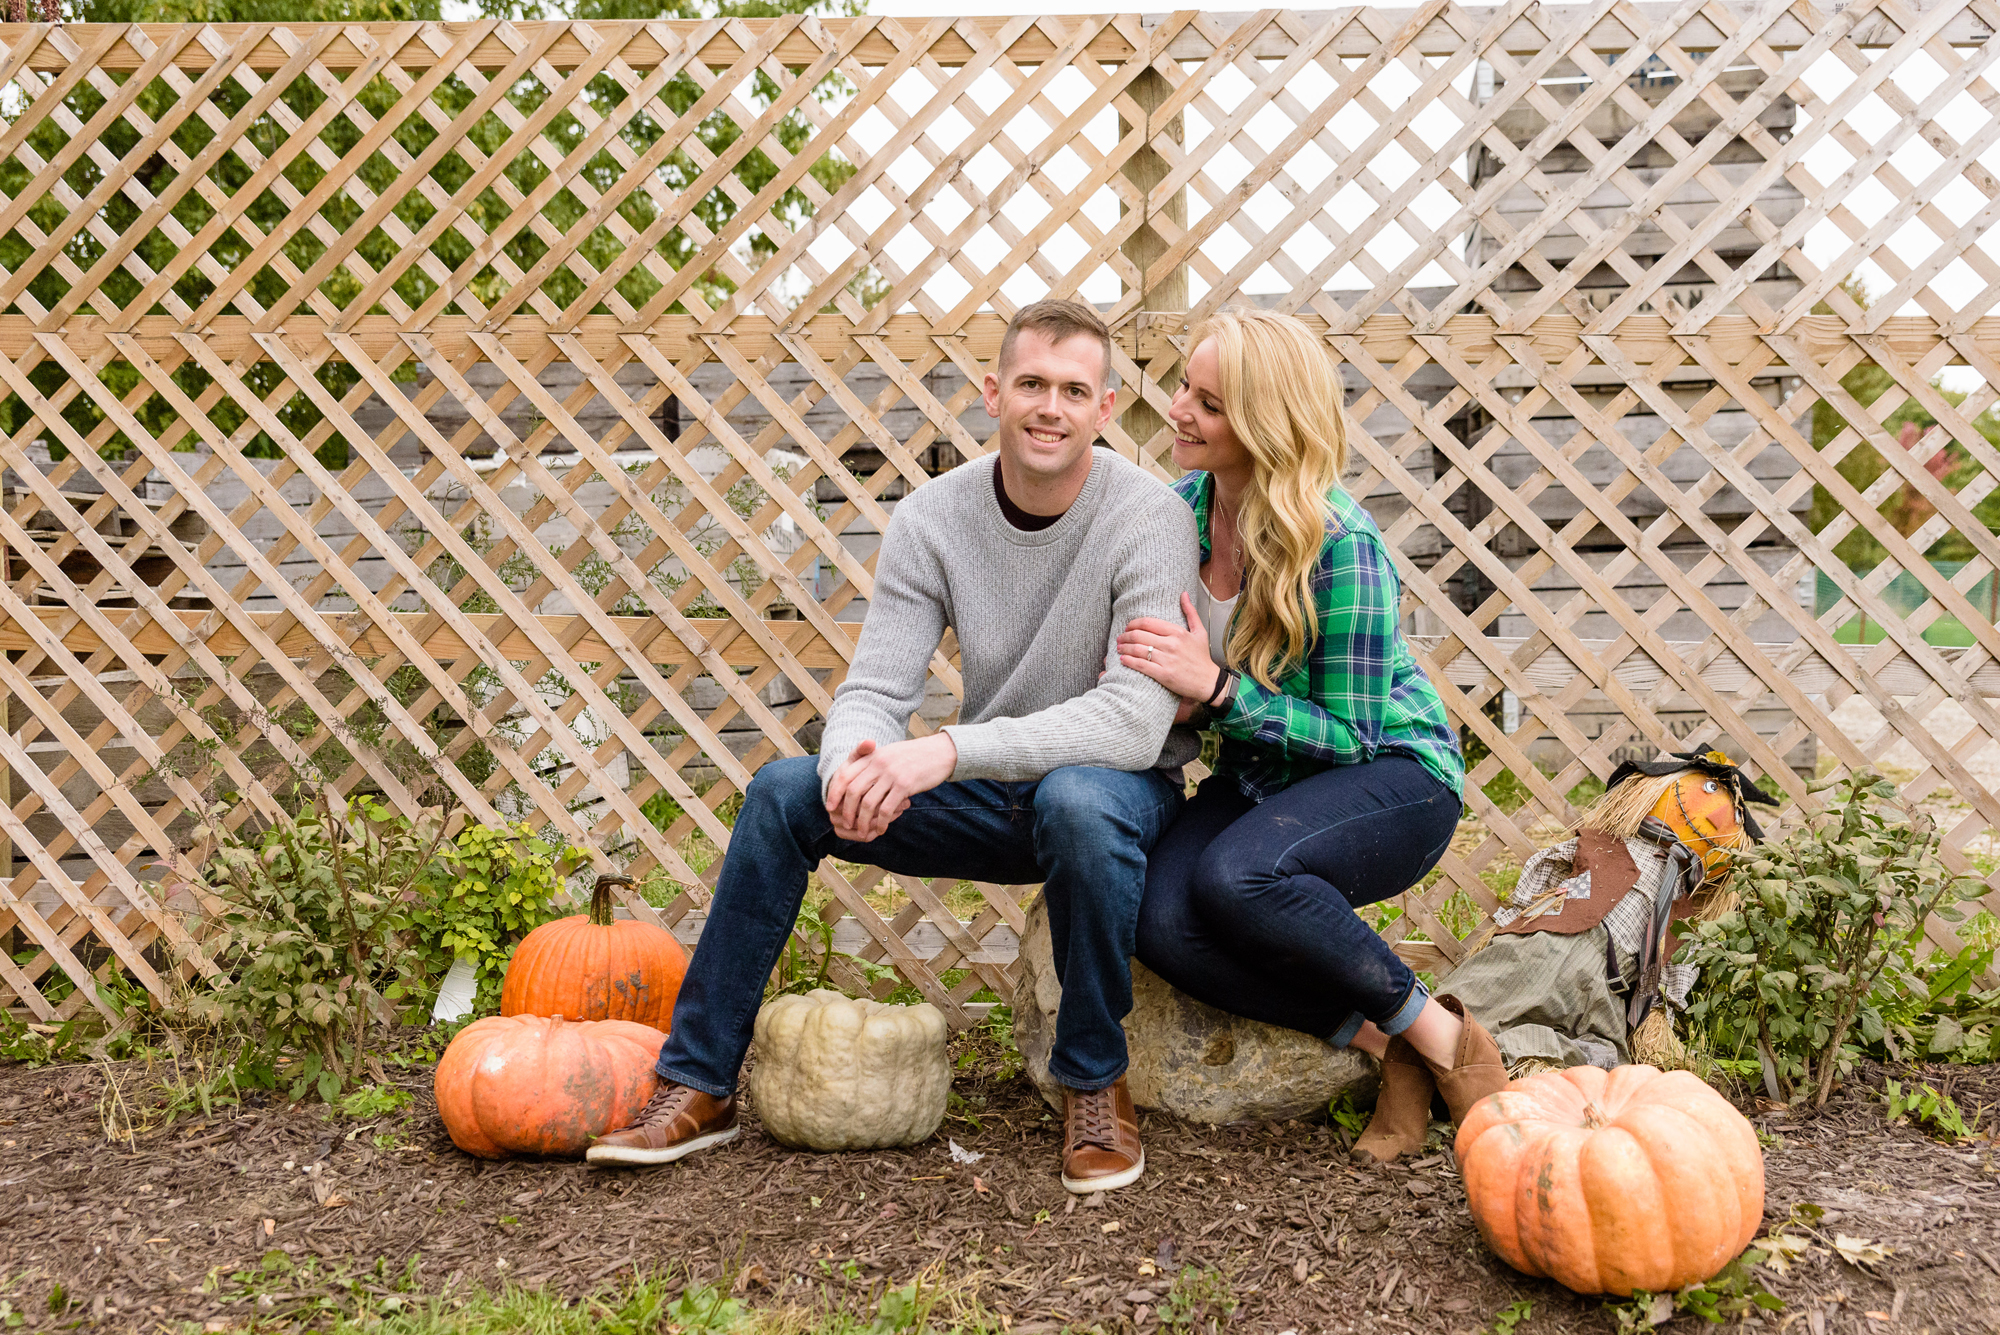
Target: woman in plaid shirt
<point>1339,778</point>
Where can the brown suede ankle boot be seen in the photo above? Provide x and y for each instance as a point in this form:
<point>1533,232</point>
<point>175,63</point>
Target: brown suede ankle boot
<point>1477,1070</point>
<point>1402,1111</point>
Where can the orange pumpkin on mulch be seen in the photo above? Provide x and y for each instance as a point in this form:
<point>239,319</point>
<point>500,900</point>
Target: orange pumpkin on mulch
<point>1610,1181</point>
<point>590,966</point>
<point>533,1085</point>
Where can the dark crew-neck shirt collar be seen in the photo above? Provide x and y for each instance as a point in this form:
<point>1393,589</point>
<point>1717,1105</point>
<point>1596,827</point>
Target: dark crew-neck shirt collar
<point>1014,514</point>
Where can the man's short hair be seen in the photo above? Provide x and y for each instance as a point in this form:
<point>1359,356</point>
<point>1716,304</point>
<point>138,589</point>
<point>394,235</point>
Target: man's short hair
<point>1058,320</point>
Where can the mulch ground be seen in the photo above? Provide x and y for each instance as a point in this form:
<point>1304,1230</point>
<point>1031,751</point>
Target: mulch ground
<point>171,1229</point>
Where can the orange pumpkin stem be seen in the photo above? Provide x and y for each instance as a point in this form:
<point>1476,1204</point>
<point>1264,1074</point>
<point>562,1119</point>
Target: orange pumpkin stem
<point>600,898</point>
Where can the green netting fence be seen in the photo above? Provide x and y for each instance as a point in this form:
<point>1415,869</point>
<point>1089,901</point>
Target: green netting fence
<point>1906,594</point>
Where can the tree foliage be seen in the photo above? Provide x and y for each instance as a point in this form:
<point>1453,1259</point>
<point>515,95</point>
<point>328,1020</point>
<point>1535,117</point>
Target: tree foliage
<point>1910,423</point>
<point>493,211</point>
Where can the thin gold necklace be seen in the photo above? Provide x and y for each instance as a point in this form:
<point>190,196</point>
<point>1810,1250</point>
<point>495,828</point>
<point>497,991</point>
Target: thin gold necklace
<point>1235,540</point>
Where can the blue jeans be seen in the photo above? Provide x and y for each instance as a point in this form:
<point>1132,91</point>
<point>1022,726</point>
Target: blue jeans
<point>1250,906</point>
<point>1084,833</point>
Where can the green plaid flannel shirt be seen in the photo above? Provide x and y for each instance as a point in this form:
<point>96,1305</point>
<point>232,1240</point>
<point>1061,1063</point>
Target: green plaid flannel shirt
<point>1358,694</point>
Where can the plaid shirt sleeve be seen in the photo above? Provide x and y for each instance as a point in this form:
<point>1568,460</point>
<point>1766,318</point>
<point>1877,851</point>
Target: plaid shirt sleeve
<point>1350,668</point>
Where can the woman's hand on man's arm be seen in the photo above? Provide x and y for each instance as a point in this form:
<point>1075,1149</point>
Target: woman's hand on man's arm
<point>1174,656</point>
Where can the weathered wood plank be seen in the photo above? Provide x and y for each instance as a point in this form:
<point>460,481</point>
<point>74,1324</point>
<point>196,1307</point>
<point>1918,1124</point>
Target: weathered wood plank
<point>642,49</point>
<point>445,645</point>
<point>1552,671</point>
<point>1387,337</point>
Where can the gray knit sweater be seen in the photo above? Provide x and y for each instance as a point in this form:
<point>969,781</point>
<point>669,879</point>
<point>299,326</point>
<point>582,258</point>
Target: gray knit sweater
<point>1037,615</point>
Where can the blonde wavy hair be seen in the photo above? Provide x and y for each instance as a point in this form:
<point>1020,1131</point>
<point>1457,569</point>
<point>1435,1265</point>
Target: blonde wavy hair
<point>1282,394</point>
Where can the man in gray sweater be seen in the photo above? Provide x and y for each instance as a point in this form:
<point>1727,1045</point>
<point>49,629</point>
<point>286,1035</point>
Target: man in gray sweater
<point>1064,767</point>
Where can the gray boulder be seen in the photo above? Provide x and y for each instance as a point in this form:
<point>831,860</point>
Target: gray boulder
<point>1188,1058</point>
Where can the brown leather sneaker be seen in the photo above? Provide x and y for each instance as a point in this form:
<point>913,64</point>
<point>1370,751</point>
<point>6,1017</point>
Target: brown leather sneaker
<point>676,1121</point>
<point>1101,1149</point>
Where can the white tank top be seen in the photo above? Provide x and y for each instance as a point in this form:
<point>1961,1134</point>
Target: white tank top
<point>1214,613</point>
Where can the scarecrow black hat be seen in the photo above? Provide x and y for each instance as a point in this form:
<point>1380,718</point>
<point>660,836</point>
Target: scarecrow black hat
<point>1712,763</point>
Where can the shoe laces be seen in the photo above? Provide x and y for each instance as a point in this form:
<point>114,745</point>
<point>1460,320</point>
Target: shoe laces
<point>1093,1118</point>
<point>669,1102</point>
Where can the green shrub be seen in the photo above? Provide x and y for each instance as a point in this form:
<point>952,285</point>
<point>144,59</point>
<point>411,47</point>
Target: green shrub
<point>1735,1294</point>
<point>800,970</point>
<point>372,1101</point>
<point>41,1044</point>
<point>1200,1300</point>
<point>484,892</point>
<point>1968,1031</point>
<point>1951,1021</point>
<point>1818,960</point>
<point>313,949</point>
<point>346,915</point>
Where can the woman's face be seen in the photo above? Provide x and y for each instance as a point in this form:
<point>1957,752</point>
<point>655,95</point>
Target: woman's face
<point>1202,437</point>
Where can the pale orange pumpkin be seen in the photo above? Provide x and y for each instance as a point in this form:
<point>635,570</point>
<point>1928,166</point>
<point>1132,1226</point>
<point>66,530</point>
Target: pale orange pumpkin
<point>532,1085</point>
<point>1610,1181</point>
<point>590,966</point>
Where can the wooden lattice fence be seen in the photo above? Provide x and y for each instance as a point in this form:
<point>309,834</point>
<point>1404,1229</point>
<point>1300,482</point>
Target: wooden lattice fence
<point>508,412</point>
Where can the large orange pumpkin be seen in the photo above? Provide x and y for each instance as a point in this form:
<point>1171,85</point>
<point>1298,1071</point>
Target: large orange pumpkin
<point>1610,1181</point>
<point>591,966</point>
<point>527,1084</point>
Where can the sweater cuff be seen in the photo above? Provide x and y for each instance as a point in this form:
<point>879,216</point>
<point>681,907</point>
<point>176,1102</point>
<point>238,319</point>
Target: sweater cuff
<point>981,752</point>
<point>829,765</point>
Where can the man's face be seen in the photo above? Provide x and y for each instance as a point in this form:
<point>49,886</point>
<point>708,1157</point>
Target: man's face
<point>1050,402</point>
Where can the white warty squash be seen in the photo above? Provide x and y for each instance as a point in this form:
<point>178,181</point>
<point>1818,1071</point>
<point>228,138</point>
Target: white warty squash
<point>834,1073</point>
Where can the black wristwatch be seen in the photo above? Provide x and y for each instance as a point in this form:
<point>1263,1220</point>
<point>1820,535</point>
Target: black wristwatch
<point>1219,699</point>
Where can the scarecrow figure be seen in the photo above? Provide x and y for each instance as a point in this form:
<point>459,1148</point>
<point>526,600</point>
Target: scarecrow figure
<point>1576,964</point>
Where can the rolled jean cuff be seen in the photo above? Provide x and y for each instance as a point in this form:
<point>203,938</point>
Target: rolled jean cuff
<point>1343,1037</point>
<point>1407,1013</point>
<point>1087,1086</point>
<point>661,1069</point>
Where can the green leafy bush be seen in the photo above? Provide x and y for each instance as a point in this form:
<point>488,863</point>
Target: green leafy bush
<point>1735,1294</point>
<point>128,1020</point>
<point>1953,1022</point>
<point>485,891</point>
<point>41,1044</point>
<point>1819,958</point>
<point>313,949</point>
<point>1200,1300</point>
<point>1347,1114</point>
<point>372,1101</point>
<point>345,915</point>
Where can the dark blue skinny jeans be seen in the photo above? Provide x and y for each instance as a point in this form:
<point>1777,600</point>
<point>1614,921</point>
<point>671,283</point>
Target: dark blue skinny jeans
<point>1250,905</point>
<point>1082,832</point>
